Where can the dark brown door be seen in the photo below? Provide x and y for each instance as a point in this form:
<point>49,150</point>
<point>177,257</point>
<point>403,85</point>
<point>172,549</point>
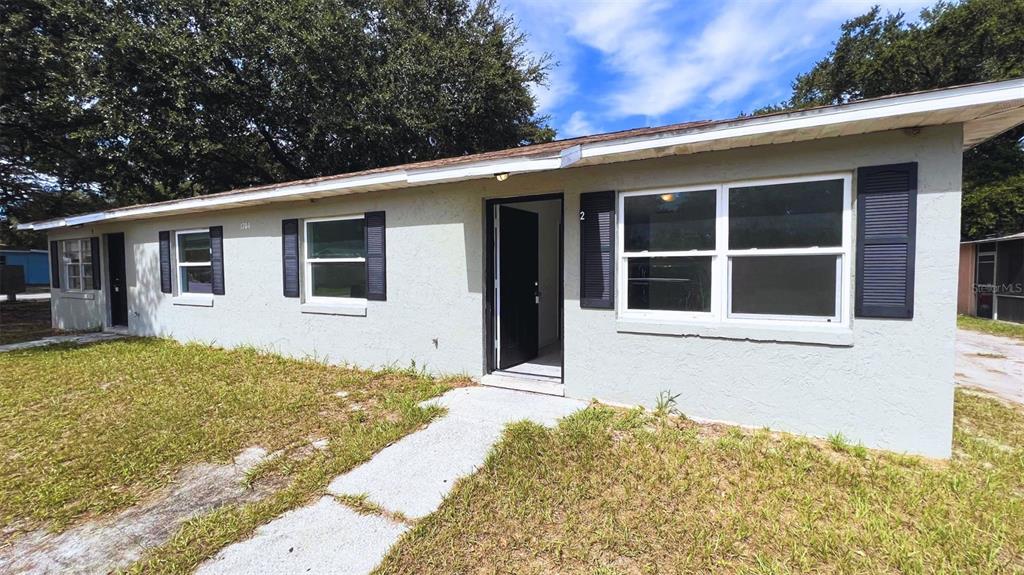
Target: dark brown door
<point>518,287</point>
<point>117,287</point>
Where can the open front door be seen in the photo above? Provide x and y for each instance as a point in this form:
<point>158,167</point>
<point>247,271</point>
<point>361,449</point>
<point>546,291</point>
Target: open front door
<point>517,286</point>
<point>118,285</point>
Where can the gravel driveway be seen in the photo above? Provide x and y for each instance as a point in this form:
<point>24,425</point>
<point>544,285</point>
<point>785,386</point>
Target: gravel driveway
<point>990,362</point>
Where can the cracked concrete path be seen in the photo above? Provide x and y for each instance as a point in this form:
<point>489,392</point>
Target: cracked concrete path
<point>410,477</point>
<point>992,363</point>
<point>107,544</point>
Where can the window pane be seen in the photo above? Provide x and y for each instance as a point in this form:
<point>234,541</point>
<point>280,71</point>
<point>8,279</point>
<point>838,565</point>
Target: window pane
<point>986,272</point>
<point>784,285</point>
<point>340,279</point>
<point>666,222</point>
<point>197,279</point>
<point>194,248</point>
<point>675,283</point>
<point>71,252</point>
<point>86,250</point>
<point>795,215</point>
<point>74,283</point>
<point>336,239</point>
<point>1010,273</point>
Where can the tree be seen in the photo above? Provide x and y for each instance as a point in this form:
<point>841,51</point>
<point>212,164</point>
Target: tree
<point>106,103</point>
<point>953,44</point>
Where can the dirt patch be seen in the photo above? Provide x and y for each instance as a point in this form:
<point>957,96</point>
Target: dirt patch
<point>106,544</point>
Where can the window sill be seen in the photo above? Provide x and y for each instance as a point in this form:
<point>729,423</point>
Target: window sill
<point>78,295</point>
<point>352,309</point>
<point>193,300</point>
<point>836,336</point>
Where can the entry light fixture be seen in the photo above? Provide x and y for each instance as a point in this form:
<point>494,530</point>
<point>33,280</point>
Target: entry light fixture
<point>501,176</point>
<point>667,197</point>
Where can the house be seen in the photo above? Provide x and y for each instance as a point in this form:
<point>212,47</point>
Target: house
<point>792,270</point>
<point>991,282</point>
<point>35,263</point>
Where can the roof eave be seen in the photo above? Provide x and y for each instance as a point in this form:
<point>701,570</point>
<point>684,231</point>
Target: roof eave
<point>985,110</point>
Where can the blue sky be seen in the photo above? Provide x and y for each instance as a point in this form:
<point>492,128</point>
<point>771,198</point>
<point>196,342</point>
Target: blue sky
<point>630,63</point>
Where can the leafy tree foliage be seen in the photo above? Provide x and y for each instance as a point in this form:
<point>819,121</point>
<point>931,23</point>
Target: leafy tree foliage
<point>113,102</point>
<point>952,44</point>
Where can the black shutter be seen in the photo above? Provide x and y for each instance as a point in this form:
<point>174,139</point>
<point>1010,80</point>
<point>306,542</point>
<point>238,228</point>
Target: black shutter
<point>165,262</point>
<point>376,261</point>
<point>94,247</point>
<point>217,258</point>
<point>886,230</point>
<point>55,265</point>
<point>290,256</point>
<point>597,250</point>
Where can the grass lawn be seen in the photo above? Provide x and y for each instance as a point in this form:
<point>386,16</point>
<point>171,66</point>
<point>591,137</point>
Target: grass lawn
<point>1003,328</point>
<point>88,430</point>
<point>615,492</point>
<point>24,321</point>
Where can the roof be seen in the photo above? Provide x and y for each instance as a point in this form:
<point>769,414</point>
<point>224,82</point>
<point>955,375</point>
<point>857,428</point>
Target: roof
<point>985,109</point>
<point>1017,236</point>
<point>7,250</point>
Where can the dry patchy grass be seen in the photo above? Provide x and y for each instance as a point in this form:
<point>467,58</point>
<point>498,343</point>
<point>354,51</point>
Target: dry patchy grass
<point>88,430</point>
<point>1003,328</point>
<point>616,492</point>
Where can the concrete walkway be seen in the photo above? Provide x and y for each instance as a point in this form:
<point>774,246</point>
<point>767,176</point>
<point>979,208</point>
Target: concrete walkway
<point>410,477</point>
<point>992,363</point>
<point>78,339</point>
<point>29,297</point>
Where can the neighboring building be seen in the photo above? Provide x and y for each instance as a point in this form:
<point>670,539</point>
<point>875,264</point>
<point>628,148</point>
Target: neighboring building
<point>35,262</point>
<point>793,270</point>
<point>991,283</point>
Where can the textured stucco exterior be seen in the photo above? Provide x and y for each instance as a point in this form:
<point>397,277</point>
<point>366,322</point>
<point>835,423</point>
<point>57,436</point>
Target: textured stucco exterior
<point>889,385</point>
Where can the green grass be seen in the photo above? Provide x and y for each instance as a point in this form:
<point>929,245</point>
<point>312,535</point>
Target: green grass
<point>1003,328</point>
<point>88,430</point>
<point>615,492</point>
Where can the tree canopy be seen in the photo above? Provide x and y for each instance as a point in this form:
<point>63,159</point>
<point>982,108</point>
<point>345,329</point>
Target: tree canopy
<point>951,44</point>
<point>114,102</point>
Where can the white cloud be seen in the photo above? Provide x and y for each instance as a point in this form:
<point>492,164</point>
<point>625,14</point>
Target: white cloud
<point>657,58</point>
<point>578,125</point>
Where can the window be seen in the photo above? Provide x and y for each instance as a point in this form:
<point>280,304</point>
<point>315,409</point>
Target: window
<point>195,272</point>
<point>76,259</point>
<point>335,259</point>
<point>669,248</point>
<point>773,250</point>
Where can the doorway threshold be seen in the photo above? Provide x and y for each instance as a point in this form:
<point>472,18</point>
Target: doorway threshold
<point>521,382</point>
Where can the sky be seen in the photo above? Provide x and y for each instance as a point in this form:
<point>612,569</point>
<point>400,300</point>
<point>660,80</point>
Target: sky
<point>622,64</point>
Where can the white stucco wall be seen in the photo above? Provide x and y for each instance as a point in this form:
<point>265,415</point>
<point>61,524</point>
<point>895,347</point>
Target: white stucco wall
<point>892,388</point>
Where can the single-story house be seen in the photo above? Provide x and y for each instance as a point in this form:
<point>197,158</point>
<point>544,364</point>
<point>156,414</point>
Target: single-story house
<point>793,270</point>
<point>991,282</point>
<point>35,263</point>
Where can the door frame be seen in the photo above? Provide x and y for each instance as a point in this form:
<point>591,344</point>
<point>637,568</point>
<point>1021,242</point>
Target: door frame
<point>977,268</point>
<point>490,276</point>
<point>110,281</point>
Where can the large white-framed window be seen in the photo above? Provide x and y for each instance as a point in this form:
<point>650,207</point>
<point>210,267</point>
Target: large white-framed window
<point>772,250</point>
<point>195,270</point>
<point>76,264</point>
<point>334,251</point>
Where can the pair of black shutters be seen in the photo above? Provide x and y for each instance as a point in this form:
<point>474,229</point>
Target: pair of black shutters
<point>216,260</point>
<point>376,260</point>
<point>886,230</point>
<point>55,258</point>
